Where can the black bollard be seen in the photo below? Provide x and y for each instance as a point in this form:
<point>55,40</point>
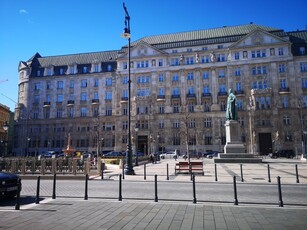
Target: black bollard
<point>144,171</point>
<point>37,189</point>
<point>120,188</point>
<point>102,169</point>
<point>280,202</point>
<point>17,205</point>
<point>194,191</point>
<point>54,185</point>
<point>167,175</point>
<point>296,171</point>
<point>235,191</point>
<point>86,187</point>
<point>241,169</point>
<point>123,170</point>
<point>215,172</point>
<point>156,188</point>
<point>269,174</point>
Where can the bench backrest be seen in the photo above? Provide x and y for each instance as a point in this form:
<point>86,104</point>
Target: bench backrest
<point>196,163</point>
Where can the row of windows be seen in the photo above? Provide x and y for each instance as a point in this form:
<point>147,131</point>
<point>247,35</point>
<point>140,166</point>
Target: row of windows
<point>262,103</point>
<point>256,70</point>
<point>83,69</point>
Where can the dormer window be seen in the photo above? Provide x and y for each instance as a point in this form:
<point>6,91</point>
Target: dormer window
<point>280,51</point>
<point>125,65</point>
<point>49,71</point>
<point>302,51</point>
<point>71,70</point>
<point>96,68</point>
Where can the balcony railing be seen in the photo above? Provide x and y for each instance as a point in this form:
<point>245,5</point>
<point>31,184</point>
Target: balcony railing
<point>206,94</point>
<point>95,101</point>
<point>176,96</point>
<point>70,102</point>
<point>124,99</point>
<point>238,92</point>
<point>284,90</point>
<point>222,93</point>
<point>191,95</point>
<point>161,97</point>
<point>47,103</point>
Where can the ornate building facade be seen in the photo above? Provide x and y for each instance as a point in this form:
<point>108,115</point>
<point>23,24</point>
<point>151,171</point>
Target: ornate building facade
<point>178,95</point>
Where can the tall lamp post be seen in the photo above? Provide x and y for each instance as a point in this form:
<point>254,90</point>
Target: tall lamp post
<point>136,146</point>
<point>126,34</point>
<point>5,127</point>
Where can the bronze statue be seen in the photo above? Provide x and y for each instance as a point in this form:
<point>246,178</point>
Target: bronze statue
<point>232,110</point>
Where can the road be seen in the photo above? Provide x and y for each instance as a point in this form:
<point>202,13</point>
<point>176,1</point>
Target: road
<point>292,194</point>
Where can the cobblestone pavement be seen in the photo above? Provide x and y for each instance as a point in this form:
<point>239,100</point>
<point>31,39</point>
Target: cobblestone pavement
<point>77,213</point>
<point>102,214</point>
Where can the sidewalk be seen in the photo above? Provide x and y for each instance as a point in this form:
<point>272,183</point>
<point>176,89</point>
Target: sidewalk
<point>101,214</point>
<point>252,173</point>
<point>77,213</point>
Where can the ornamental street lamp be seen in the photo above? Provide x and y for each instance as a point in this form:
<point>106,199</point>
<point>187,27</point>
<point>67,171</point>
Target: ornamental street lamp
<point>136,147</point>
<point>5,128</point>
<point>28,146</point>
<point>126,34</point>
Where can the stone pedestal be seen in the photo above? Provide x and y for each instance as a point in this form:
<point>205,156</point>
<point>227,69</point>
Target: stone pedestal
<point>234,150</point>
<point>233,138</point>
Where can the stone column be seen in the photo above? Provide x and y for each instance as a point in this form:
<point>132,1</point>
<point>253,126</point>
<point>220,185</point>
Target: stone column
<point>74,167</point>
<point>23,167</point>
<point>53,166</point>
<point>43,167</point>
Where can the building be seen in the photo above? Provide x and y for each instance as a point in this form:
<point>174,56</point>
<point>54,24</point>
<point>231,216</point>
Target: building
<point>4,134</point>
<point>179,92</point>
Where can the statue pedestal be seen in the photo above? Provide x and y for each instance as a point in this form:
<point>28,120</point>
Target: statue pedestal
<point>233,138</point>
<point>234,150</point>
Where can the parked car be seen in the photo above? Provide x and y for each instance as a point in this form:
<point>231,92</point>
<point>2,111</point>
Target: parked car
<point>8,184</point>
<point>213,154</point>
<point>140,154</point>
<point>170,154</point>
<point>283,153</point>
<point>114,154</point>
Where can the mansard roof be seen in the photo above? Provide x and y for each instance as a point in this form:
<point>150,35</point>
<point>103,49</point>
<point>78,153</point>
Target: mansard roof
<point>82,58</point>
<point>203,37</point>
<point>168,41</point>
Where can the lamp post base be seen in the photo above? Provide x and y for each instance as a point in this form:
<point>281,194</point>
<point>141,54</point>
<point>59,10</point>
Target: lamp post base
<point>129,171</point>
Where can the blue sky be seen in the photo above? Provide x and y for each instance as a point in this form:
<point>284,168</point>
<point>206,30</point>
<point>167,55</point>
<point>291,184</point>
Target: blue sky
<point>57,27</point>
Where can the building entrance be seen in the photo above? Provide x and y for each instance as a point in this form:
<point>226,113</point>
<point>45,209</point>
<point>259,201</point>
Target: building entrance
<point>143,144</point>
<point>265,143</point>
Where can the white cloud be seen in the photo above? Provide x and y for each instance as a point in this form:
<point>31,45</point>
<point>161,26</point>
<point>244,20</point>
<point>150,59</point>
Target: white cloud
<point>23,11</point>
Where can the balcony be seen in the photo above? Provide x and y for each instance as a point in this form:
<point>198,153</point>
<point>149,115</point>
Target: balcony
<point>284,90</point>
<point>47,104</point>
<point>123,99</point>
<point>191,95</point>
<point>176,96</point>
<point>70,102</point>
<point>206,94</point>
<point>160,97</point>
<point>95,101</point>
<point>239,92</point>
<point>222,94</point>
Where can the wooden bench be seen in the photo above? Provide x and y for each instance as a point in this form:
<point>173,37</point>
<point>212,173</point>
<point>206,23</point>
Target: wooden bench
<point>183,167</point>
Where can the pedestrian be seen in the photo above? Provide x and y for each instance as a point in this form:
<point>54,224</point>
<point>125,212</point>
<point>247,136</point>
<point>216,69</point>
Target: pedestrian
<point>152,158</point>
<point>175,157</point>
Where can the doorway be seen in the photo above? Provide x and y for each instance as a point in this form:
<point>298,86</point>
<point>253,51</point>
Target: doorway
<point>142,144</point>
<point>265,143</point>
